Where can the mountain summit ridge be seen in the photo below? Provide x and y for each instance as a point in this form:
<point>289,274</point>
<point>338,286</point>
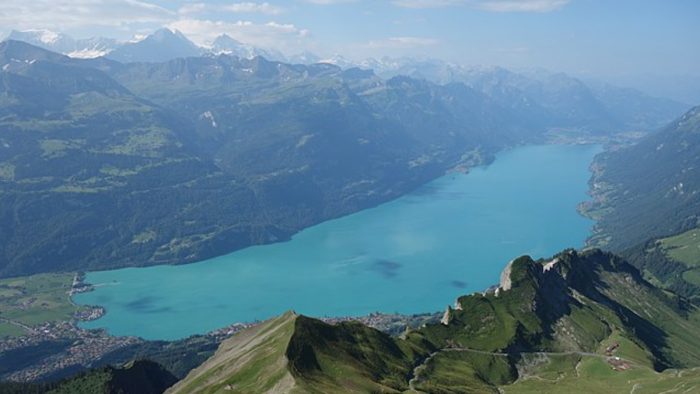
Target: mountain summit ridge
<point>575,306</point>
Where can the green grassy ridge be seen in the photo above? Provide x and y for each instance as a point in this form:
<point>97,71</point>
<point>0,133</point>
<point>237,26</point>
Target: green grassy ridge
<point>348,355</point>
<point>594,375</point>
<point>249,362</point>
<point>684,247</point>
<point>524,317</point>
<point>465,372</point>
<point>672,262</point>
<point>551,326</point>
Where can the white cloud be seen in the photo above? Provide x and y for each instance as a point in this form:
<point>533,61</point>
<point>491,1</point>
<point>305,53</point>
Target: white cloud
<point>250,7</point>
<point>63,14</point>
<point>273,35</point>
<point>521,5</point>
<point>329,2</point>
<point>402,43</point>
<point>141,16</point>
<point>511,51</point>
<point>246,7</point>
<point>192,8</point>
<point>488,5</point>
<point>427,3</point>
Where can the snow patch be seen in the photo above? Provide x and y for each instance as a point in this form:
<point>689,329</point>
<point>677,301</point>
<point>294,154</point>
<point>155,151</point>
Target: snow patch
<point>209,116</point>
<point>303,140</point>
<point>46,36</point>
<point>550,265</point>
<point>87,53</point>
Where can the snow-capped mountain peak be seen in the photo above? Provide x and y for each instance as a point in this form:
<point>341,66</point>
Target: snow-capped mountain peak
<point>227,45</point>
<point>65,44</point>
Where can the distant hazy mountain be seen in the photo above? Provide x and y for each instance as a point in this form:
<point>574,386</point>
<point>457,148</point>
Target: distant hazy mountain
<point>683,88</point>
<point>339,60</point>
<point>557,99</point>
<point>226,45</point>
<point>62,43</point>
<point>304,58</point>
<point>552,100</point>
<point>161,46</point>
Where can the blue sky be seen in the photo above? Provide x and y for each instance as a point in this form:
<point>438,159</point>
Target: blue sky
<point>585,37</point>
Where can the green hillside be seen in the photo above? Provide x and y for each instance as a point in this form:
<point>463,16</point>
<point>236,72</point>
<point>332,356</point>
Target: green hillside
<point>672,262</point>
<point>586,321</point>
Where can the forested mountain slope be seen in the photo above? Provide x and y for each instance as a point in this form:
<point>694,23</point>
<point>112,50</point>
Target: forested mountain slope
<point>650,189</point>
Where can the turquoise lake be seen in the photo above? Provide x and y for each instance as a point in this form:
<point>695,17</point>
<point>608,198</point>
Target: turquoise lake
<point>415,254</point>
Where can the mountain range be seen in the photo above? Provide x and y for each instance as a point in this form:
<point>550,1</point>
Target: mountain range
<point>165,44</point>
<point>273,146</point>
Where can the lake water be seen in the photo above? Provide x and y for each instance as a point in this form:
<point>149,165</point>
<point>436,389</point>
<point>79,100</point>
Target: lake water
<point>414,254</point>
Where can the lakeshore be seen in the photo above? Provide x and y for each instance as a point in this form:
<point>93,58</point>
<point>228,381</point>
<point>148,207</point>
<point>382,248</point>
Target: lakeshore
<point>410,255</point>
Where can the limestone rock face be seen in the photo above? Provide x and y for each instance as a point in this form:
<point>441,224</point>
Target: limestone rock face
<point>447,316</point>
<point>505,283</point>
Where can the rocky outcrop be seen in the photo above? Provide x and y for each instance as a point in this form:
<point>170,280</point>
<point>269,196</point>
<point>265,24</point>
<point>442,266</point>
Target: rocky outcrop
<point>505,283</point>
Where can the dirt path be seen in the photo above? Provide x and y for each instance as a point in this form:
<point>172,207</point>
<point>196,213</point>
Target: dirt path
<point>415,374</point>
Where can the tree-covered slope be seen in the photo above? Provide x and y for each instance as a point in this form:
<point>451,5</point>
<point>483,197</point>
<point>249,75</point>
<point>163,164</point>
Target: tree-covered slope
<point>92,176</point>
<point>142,377</point>
<point>106,165</point>
<point>651,189</point>
<point>588,319</point>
